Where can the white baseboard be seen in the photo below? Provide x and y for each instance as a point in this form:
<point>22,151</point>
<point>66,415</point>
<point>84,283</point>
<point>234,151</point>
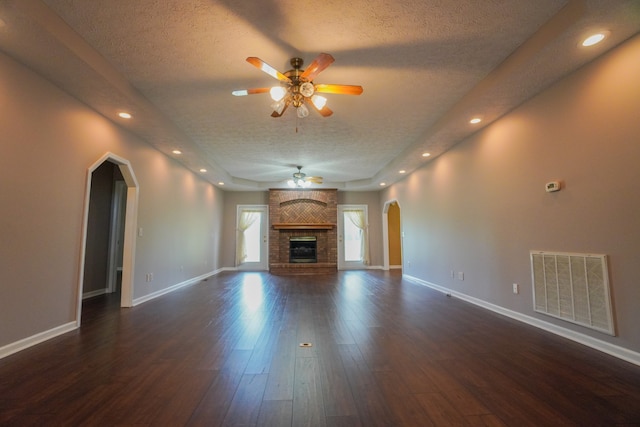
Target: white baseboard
<point>603,346</point>
<point>62,329</point>
<point>395,267</point>
<point>175,287</point>
<point>24,343</point>
<point>94,293</point>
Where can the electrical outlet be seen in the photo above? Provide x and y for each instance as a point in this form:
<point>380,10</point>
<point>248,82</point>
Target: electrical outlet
<point>516,288</point>
<point>460,275</point>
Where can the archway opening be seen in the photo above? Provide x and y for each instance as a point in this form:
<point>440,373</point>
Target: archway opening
<point>392,235</point>
<point>108,249</point>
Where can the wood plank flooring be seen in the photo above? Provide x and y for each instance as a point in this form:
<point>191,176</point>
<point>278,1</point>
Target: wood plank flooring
<point>385,352</point>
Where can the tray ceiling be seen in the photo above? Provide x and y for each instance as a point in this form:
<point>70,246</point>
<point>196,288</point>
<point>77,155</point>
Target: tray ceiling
<point>427,67</point>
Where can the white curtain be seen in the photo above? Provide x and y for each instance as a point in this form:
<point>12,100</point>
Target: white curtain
<point>359,219</point>
<point>246,220</point>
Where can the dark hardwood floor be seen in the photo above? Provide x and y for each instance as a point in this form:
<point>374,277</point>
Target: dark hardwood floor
<point>385,352</point>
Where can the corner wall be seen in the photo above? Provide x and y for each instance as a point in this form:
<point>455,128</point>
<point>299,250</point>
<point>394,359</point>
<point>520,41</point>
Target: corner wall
<point>49,140</point>
<point>481,207</point>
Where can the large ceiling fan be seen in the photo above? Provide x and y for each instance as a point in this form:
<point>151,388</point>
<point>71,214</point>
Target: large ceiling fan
<point>301,180</point>
<point>297,88</point>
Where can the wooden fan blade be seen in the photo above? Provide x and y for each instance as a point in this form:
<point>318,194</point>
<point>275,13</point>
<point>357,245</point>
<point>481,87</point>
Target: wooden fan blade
<point>314,179</point>
<point>275,113</point>
<point>263,66</point>
<point>324,111</point>
<point>321,62</point>
<point>245,92</point>
<point>340,89</point>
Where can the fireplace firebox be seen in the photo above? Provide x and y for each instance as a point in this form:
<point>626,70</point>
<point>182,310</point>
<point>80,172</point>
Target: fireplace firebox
<point>303,249</point>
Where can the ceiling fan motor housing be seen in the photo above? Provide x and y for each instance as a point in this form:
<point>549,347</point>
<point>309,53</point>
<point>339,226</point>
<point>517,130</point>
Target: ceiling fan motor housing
<point>293,87</point>
<point>296,63</point>
<point>299,174</point>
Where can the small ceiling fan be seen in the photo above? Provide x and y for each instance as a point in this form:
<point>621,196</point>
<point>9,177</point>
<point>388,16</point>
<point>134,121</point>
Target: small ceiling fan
<point>301,180</point>
<point>297,88</point>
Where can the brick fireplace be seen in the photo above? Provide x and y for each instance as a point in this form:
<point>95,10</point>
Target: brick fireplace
<point>303,213</point>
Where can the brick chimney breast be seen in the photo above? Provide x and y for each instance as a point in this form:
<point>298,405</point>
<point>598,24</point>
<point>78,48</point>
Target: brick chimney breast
<point>297,213</point>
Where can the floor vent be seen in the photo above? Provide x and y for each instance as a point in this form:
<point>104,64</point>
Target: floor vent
<point>573,287</point>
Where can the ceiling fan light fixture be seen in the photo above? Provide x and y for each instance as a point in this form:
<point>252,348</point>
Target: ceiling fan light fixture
<point>319,101</point>
<point>302,111</point>
<point>278,106</point>
<point>298,183</point>
<point>277,93</point>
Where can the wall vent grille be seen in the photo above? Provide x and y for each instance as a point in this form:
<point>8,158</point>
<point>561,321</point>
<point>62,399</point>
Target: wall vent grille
<point>573,287</point>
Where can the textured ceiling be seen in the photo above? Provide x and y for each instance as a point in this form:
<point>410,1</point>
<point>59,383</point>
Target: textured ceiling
<point>426,68</point>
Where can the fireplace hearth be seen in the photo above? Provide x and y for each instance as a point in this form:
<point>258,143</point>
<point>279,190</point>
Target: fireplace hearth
<point>303,249</point>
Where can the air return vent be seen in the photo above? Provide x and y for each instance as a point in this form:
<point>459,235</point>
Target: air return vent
<point>573,287</point>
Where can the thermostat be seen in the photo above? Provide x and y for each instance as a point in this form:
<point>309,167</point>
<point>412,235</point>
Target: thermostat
<point>552,186</point>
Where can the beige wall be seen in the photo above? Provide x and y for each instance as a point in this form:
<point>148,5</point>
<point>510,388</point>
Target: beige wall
<point>48,142</point>
<point>481,207</point>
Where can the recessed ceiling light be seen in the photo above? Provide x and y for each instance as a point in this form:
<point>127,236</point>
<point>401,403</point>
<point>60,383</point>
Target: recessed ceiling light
<point>426,154</point>
<point>382,184</point>
<point>475,120</point>
<point>177,152</point>
<point>402,171</point>
<point>203,170</point>
<point>594,38</point>
<point>124,115</point>
<point>221,183</point>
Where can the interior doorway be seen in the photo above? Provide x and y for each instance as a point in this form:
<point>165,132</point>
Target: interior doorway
<point>392,235</point>
<point>107,255</point>
<point>105,232</point>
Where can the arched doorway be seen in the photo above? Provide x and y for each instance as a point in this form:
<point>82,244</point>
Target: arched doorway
<point>392,235</point>
<point>130,199</point>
